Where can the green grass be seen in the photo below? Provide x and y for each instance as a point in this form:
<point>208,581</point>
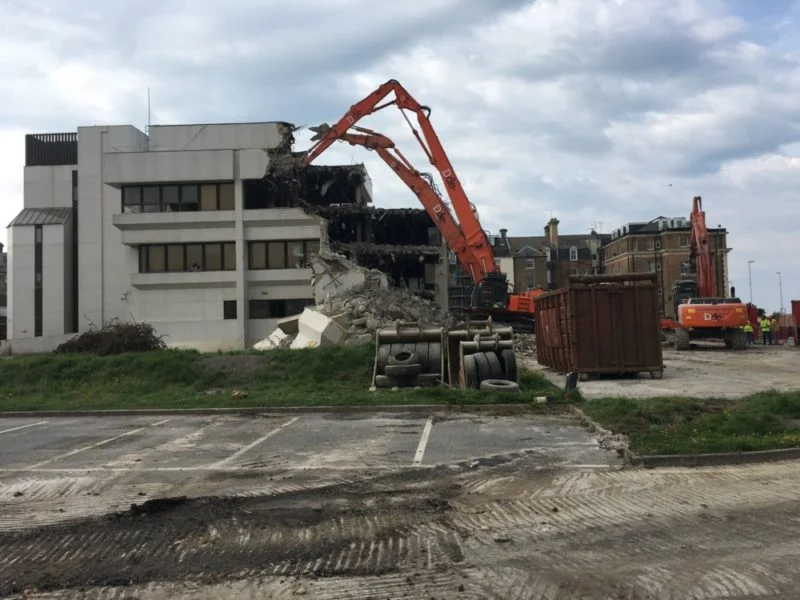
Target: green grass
<point>185,379</point>
<point>764,421</point>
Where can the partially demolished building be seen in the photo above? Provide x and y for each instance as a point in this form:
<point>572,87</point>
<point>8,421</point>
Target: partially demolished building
<point>206,231</point>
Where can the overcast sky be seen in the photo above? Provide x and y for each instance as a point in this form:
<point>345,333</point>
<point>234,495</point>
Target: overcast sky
<point>595,111</point>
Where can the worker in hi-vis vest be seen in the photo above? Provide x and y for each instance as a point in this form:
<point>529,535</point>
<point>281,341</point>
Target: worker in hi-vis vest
<point>748,330</point>
<point>766,329</point>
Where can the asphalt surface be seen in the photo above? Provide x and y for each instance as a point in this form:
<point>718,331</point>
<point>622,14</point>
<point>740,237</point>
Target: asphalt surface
<point>328,507</point>
<point>60,468</point>
<point>311,441</point>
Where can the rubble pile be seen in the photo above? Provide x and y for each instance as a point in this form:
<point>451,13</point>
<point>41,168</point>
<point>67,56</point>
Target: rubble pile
<point>363,310</point>
<point>352,303</point>
<point>525,344</point>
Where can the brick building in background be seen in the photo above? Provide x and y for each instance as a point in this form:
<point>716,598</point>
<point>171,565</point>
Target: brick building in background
<point>546,262</point>
<point>662,246</point>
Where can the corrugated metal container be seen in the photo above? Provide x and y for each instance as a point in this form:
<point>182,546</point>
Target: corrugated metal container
<point>601,324</point>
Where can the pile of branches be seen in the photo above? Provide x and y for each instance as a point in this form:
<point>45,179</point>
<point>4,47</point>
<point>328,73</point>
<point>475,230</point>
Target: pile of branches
<point>115,338</point>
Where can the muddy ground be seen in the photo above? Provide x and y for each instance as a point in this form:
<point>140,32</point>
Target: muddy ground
<point>500,532</point>
<point>705,371</point>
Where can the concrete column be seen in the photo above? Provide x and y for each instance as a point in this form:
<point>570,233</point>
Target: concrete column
<point>241,258</point>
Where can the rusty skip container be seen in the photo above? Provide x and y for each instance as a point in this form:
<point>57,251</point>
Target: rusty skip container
<point>601,324</point>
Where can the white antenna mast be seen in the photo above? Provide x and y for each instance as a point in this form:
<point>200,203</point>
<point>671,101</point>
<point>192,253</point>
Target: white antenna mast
<point>148,111</point>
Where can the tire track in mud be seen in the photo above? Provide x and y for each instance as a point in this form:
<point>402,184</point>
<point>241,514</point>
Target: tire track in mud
<point>210,538</point>
<point>33,501</point>
<point>499,533</point>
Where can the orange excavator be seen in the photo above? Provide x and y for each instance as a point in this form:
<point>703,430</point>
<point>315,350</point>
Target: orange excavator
<point>465,237</point>
<point>701,312</point>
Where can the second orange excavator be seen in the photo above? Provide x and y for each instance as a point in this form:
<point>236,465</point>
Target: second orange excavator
<point>465,237</point>
<point>701,312</point>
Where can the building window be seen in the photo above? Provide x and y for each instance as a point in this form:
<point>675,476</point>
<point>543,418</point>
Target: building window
<point>530,281</point>
<point>179,258</point>
<point>530,263</point>
<point>573,271</point>
<point>685,267</point>
<point>277,309</point>
<point>293,254</point>
<point>652,266</point>
<point>683,241</point>
<point>451,258</point>
<point>635,245</point>
<point>573,254</point>
<point>229,309</point>
<point>188,197</point>
<point>38,283</point>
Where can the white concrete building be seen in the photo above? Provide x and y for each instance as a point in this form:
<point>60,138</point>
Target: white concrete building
<point>176,228</point>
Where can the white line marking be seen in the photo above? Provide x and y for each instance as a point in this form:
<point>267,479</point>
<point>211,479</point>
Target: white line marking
<point>23,427</point>
<point>423,441</point>
<point>91,446</point>
<point>79,470</point>
<point>238,453</point>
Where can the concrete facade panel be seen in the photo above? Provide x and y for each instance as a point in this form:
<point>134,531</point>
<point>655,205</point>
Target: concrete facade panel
<point>48,187</point>
<point>53,292</point>
<point>162,167</point>
<point>223,136</point>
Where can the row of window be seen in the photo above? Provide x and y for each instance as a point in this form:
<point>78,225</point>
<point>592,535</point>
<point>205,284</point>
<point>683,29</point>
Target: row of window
<point>190,197</point>
<point>221,256</point>
<point>178,258</point>
<point>266,309</point>
<point>292,254</point>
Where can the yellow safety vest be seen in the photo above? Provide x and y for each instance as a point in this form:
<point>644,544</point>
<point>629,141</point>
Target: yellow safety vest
<point>765,325</point>
<point>748,328</point>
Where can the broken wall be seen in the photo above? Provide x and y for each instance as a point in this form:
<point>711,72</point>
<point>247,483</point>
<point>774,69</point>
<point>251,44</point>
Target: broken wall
<point>402,243</point>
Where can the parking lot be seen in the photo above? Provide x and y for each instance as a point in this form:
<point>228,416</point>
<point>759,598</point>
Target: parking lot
<point>397,505</point>
<point>55,468</point>
<point>310,441</point>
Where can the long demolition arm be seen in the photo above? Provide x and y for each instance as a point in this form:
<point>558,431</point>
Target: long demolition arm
<point>430,199</point>
<point>482,260</point>
<point>700,252</point>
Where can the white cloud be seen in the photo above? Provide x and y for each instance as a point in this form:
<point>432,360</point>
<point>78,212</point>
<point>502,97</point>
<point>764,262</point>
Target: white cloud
<point>597,110</point>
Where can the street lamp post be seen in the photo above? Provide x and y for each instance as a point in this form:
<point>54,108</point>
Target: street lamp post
<point>780,288</point>
<point>750,278</point>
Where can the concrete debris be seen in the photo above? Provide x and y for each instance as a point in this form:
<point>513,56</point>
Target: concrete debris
<point>525,344</point>
<point>315,329</point>
<point>352,303</point>
<point>614,441</point>
<point>335,276</point>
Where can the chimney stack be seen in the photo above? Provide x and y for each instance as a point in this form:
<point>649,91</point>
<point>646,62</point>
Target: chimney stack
<point>552,231</point>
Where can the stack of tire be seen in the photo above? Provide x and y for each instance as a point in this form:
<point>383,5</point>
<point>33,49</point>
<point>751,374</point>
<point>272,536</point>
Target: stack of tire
<point>493,371</point>
<point>409,365</point>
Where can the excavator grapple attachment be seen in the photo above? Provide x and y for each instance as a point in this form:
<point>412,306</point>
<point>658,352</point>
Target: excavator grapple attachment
<point>408,355</point>
<point>480,351</point>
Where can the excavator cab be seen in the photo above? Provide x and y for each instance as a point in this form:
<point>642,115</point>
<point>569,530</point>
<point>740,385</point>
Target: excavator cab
<point>491,292</point>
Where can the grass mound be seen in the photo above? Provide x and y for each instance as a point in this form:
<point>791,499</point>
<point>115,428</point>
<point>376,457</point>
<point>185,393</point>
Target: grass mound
<point>764,421</point>
<point>186,379</point>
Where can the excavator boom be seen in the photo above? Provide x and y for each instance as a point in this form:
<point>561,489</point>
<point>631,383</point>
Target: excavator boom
<point>433,203</point>
<point>700,252</point>
<point>474,236</point>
